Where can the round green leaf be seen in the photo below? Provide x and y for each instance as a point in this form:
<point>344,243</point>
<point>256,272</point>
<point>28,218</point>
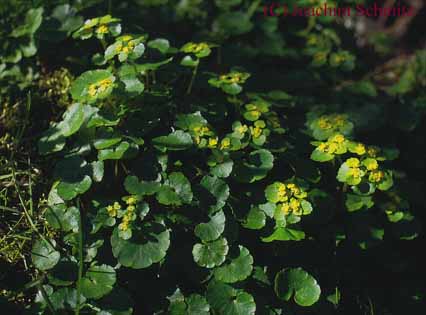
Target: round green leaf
<point>210,254</point>
<point>229,301</point>
<point>213,229</point>
<point>43,255</point>
<point>177,140</point>
<point>98,281</point>
<point>93,85</point>
<point>146,247</point>
<point>238,269</point>
<point>297,282</point>
<point>61,217</point>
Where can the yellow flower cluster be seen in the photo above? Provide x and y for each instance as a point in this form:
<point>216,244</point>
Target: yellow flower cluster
<point>102,29</point>
<point>113,209</point>
<point>211,141</point>
<point>195,48</point>
<point>376,176</point>
<point>241,129</point>
<point>257,130</point>
<point>333,144</point>
<point>290,196</point>
<point>331,121</point>
<point>99,87</point>
<point>128,46</point>
<point>129,215</point>
<point>233,77</point>
<point>354,168</point>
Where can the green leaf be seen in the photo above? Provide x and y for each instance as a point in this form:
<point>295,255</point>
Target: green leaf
<point>297,282</point>
<point>133,84</point>
<point>115,153</point>
<point>160,44</point>
<point>223,169</point>
<point>213,229</point>
<point>73,173</point>
<point>52,140</point>
<point>72,120</point>
<point>193,305</point>
<point>284,234</point>
<point>188,61</point>
<point>177,140</point>
<point>258,165</point>
<point>43,255</point>
<point>256,219</point>
<point>238,269</point>
<point>356,202</point>
<point>216,188</point>
<point>210,254</point>
<point>32,22</point>
<point>136,187</point>
<point>93,85</point>
<point>98,281</point>
<point>146,247</point>
<point>226,300</point>
<point>63,218</point>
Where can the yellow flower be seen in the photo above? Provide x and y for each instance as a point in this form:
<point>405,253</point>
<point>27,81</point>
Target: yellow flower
<point>241,129</point>
<point>371,165</point>
<point>204,130</point>
<point>225,144</point>
<point>294,204</point>
<point>92,90</point>
<point>212,142</point>
<point>111,211</point>
<point>131,200</point>
<point>285,208</point>
<point>126,38</point>
<point>332,147</point>
<point>131,208</point>
<point>199,47</point>
<point>320,56</point>
<point>338,138</point>
<point>324,123</point>
<point>360,149</point>
<point>118,48</point>
<point>354,172</point>
<point>376,176</point>
<point>322,147</point>
<point>123,226</point>
<point>352,162</point>
<point>256,132</point>
<point>339,120</point>
<point>102,29</point>
<point>117,206</point>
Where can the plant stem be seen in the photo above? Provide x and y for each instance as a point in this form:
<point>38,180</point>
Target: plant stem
<point>46,298</point>
<point>80,259</point>
<point>191,83</point>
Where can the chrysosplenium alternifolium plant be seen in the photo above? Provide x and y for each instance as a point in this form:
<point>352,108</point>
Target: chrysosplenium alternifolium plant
<point>138,168</point>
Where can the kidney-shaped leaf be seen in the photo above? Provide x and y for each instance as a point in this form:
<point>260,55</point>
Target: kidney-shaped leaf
<point>297,282</point>
<point>146,247</point>
<point>237,270</point>
<point>229,301</point>
<point>210,254</point>
<point>98,281</point>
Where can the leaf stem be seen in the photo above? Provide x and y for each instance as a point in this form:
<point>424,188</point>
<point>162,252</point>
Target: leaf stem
<point>80,259</point>
<point>191,83</point>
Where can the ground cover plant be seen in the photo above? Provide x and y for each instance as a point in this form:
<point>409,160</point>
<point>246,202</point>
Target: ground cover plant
<point>209,157</point>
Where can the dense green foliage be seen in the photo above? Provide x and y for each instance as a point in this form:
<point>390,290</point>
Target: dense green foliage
<point>198,157</point>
